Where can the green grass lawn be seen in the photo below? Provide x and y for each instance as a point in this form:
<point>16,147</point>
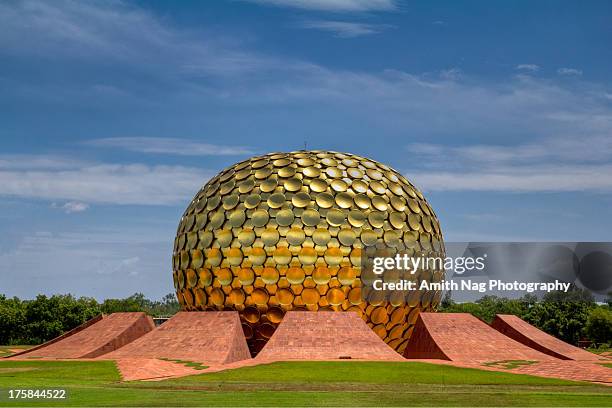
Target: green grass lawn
<point>347,383</point>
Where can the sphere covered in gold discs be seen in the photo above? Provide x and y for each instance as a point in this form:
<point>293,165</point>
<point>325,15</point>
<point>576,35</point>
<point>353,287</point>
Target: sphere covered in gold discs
<point>286,231</point>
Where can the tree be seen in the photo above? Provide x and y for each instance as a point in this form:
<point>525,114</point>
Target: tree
<point>599,325</point>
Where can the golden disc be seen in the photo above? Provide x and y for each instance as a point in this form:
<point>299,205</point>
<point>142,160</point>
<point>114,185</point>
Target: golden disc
<point>321,275</point>
<point>263,173</point>
<point>396,219</point>
<point>295,275</point>
<point>224,275</point>
<point>359,186</point>
<point>310,296</point>
<point>284,296</point>
<point>236,297</point>
<point>268,185</point>
<point>252,201</point>
<point>234,256</point>
<point>293,184</point>
<point>346,275</point>
<point>246,276</point>
<point>368,237</point>
<point>333,256</point>
<point>276,200</point>
<point>204,277</point>
<point>197,258</point>
<point>379,203</point>
<point>378,187</point>
<point>246,237</point>
<point>216,220</point>
<point>269,275</point>
<point>295,236</point>
<point>346,236</point>
<point>311,172</point>
<point>356,218</point>
<point>324,200</point>
<point>318,185</point>
<point>307,256</point>
<point>335,296</point>
<point>414,206</point>
<point>377,219</point>
<point>192,278</point>
<point>270,237</point>
<point>414,221</point>
<point>286,172</point>
<point>282,256</point>
<point>354,173</point>
<point>339,185</point>
<point>300,200</point>
<point>335,217</point>
<point>230,201</point>
<point>285,217</point>
<point>362,201</point>
<point>223,238</point>
<point>344,200</point>
<point>321,236</point>
<point>237,218</point>
<point>217,297</point>
<point>260,218</point>
<point>257,256</point>
<point>398,203</point>
<point>259,296</point>
<point>311,217</point>
<point>333,172</point>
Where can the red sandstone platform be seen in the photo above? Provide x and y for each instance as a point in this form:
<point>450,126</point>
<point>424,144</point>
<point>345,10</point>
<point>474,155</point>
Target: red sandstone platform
<point>463,337</point>
<point>325,336</point>
<point>94,338</point>
<point>521,331</point>
<point>204,337</point>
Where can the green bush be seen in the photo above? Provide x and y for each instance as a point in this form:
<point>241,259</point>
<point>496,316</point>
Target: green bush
<point>599,325</point>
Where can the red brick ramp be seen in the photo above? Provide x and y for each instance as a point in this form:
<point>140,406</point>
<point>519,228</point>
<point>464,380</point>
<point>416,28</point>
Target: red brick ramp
<point>521,331</point>
<point>306,335</point>
<point>94,338</point>
<point>204,337</point>
<point>463,337</point>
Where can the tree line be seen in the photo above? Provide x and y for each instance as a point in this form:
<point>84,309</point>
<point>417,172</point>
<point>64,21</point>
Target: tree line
<point>46,317</point>
<point>569,316</point>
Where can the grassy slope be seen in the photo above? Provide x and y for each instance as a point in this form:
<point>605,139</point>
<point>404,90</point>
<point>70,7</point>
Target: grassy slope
<point>303,383</point>
<point>6,350</point>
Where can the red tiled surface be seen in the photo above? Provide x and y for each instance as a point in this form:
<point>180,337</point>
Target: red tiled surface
<point>95,338</point>
<point>325,336</point>
<point>521,331</point>
<point>204,337</point>
<point>142,369</point>
<point>463,337</point>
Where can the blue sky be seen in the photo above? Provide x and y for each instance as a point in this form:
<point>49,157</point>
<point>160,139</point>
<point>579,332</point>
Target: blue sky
<point>113,114</point>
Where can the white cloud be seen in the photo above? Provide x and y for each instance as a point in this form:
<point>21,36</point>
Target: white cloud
<point>452,74</point>
<point>112,261</point>
<point>569,71</point>
<point>528,67</point>
<point>531,178</point>
<point>74,207</point>
<point>166,145</point>
<point>344,29</point>
<point>117,32</point>
<point>106,183</point>
<point>543,166</point>
<point>333,5</point>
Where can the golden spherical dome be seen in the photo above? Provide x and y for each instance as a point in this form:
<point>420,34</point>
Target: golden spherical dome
<point>286,231</point>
